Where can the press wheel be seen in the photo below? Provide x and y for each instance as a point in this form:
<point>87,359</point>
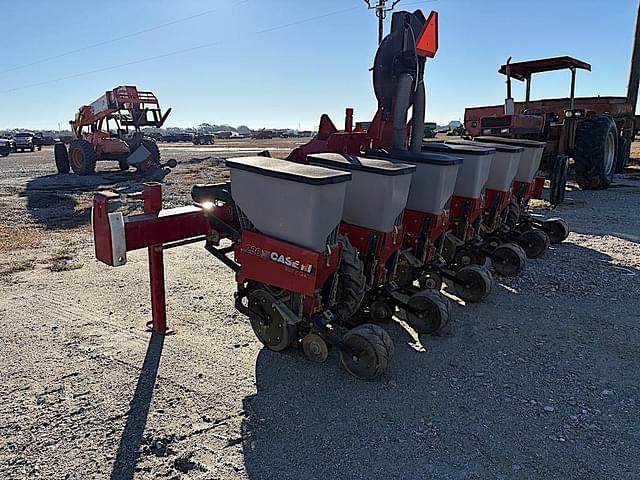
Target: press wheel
<point>368,351</point>
<point>434,316</point>
<point>556,228</point>
<point>430,280</point>
<point>509,259</point>
<point>534,242</point>
<point>473,283</point>
<point>381,311</point>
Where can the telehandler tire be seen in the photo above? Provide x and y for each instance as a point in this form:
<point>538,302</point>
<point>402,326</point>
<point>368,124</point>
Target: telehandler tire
<point>82,157</point>
<point>61,156</point>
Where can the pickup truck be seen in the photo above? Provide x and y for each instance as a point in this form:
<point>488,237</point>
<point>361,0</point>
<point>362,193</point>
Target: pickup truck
<point>27,141</point>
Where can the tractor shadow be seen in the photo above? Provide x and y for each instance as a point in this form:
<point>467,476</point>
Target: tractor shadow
<point>455,409</point>
<point>310,421</point>
<point>64,201</point>
<point>128,449</point>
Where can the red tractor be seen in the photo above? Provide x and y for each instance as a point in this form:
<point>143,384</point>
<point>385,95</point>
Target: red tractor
<point>595,131</point>
<point>126,110</point>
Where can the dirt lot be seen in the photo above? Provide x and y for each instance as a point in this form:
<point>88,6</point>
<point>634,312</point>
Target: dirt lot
<point>539,381</point>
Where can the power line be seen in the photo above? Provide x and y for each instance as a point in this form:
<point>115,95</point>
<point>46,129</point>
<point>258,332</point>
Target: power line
<point>117,39</point>
<point>178,52</point>
<point>381,10</point>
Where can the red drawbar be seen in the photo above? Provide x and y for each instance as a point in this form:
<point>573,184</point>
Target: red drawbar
<point>465,213</point>
<point>384,245</point>
<point>495,203</point>
<point>283,265</point>
<point>422,232</point>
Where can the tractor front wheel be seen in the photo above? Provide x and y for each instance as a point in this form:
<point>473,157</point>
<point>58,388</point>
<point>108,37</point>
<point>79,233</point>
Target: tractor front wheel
<point>595,152</point>
<point>82,157</point>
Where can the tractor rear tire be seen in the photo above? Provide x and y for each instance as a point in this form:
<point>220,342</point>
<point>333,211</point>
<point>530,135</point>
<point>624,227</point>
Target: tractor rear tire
<point>622,155</point>
<point>82,157</point>
<point>595,153</point>
<point>352,283</point>
<point>61,156</point>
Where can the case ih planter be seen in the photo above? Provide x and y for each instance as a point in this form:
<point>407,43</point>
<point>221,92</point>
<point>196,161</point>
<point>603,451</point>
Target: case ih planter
<point>372,223</point>
<point>288,282</point>
<point>127,110</point>
<point>316,250</point>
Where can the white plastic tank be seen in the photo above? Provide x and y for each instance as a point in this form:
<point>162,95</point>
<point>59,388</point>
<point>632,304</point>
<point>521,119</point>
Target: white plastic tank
<point>293,202</point>
<point>474,171</point>
<point>504,165</point>
<point>433,181</point>
<point>378,190</point>
<point>530,158</point>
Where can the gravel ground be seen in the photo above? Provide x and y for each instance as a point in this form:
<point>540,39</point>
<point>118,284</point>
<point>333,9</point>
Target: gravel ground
<point>539,382</point>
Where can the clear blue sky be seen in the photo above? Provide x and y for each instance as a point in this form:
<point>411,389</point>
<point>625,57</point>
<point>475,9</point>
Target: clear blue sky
<point>263,76</point>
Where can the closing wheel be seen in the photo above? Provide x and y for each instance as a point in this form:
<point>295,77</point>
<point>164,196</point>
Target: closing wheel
<point>473,283</point>
<point>371,351</point>
<point>435,309</point>
<point>492,242</point>
<point>380,311</point>
<point>430,280</point>
<point>467,256</point>
<point>509,259</point>
<point>556,228</point>
<point>315,348</point>
<point>271,328</point>
<point>534,242</point>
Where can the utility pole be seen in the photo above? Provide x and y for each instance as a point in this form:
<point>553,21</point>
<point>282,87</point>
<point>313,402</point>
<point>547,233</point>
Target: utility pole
<point>634,74</point>
<point>381,12</point>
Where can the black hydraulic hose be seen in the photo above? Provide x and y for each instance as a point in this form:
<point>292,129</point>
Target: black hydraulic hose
<point>402,103</point>
<point>417,120</point>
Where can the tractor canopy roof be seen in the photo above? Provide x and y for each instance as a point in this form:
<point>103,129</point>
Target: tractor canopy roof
<point>522,70</point>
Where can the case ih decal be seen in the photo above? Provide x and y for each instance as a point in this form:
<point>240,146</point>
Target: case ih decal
<point>279,258</point>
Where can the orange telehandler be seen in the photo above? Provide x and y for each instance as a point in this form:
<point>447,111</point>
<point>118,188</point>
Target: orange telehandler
<point>127,110</point>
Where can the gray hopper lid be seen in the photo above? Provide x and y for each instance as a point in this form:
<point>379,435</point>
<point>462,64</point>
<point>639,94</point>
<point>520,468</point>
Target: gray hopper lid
<point>519,142</point>
<point>287,170</point>
<point>454,149</point>
<point>500,147</point>
<point>416,157</point>
<point>362,164</point>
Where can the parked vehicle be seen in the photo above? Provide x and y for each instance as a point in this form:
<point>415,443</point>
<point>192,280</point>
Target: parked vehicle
<point>203,139</point>
<point>6,146</point>
<point>27,141</point>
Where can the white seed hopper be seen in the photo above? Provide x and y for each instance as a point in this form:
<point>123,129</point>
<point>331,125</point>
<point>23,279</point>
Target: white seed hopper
<point>296,203</point>
<point>377,193</point>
